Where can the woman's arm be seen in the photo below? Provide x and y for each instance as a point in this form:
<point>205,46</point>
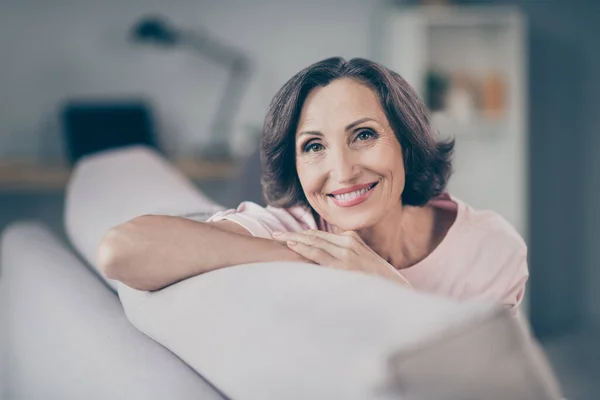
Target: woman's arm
<point>152,251</point>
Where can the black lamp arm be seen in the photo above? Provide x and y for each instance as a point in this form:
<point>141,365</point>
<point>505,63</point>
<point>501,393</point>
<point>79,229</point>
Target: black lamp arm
<point>157,30</point>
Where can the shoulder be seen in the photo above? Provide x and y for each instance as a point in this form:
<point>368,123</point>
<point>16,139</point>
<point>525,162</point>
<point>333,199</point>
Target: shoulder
<point>490,228</point>
<point>498,269</point>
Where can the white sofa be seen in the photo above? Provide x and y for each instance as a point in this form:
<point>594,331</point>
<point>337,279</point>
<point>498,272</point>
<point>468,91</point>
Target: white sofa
<point>264,331</point>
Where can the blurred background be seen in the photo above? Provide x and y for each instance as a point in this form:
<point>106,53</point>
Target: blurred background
<point>515,82</point>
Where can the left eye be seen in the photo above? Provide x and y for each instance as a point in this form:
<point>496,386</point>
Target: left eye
<point>364,135</point>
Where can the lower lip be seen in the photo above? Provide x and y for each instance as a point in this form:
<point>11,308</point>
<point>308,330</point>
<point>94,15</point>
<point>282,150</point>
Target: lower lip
<point>354,201</point>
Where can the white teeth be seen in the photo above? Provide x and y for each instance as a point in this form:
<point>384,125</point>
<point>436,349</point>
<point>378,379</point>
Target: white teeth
<point>351,195</point>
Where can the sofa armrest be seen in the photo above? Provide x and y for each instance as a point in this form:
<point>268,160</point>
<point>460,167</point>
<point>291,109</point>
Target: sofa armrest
<point>109,188</point>
<point>67,336</point>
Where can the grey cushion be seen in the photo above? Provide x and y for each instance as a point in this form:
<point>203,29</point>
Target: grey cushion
<point>66,336</point>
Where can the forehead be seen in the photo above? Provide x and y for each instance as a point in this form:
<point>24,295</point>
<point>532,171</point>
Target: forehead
<point>341,102</point>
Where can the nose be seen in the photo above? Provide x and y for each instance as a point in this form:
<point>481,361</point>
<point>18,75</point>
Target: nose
<point>343,166</point>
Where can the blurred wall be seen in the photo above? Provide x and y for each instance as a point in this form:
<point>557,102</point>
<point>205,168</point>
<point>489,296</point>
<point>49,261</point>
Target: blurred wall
<point>564,151</point>
<point>51,51</point>
<point>591,176</point>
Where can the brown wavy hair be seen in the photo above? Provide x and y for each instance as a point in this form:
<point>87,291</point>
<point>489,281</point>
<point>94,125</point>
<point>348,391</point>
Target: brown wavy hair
<point>427,162</point>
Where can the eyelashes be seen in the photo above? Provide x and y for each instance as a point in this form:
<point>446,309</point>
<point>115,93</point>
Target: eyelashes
<point>365,134</point>
<point>362,135</point>
<point>312,146</point>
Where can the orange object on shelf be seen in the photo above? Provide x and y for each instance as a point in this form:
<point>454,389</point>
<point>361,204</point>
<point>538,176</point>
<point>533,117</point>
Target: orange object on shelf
<point>493,96</point>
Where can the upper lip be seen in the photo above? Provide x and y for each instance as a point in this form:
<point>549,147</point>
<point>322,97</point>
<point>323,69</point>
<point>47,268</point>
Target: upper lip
<point>352,189</point>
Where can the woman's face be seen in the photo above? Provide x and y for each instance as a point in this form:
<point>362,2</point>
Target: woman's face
<point>348,159</point>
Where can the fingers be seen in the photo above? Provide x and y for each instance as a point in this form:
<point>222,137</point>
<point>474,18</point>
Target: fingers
<point>313,254</point>
<point>339,240</point>
<point>315,241</point>
<point>309,237</point>
<point>349,239</point>
<point>345,251</point>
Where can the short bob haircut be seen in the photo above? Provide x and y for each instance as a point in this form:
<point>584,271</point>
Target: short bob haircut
<point>427,162</point>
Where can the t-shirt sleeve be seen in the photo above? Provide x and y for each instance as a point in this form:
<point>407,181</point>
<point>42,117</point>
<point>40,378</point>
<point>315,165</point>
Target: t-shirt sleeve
<point>507,285</point>
<point>496,269</point>
<point>264,221</point>
<point>499,273</point>
<point>515,285</point>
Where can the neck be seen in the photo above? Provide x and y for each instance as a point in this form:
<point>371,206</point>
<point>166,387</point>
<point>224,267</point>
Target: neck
<point>405,237</point>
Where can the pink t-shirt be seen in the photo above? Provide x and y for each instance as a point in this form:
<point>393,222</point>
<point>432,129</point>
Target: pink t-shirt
<point>482,255</point>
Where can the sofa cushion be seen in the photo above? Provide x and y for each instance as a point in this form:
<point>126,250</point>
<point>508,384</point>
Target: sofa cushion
<point>110,188</point>
<point>66,336</point>
<point>489,359</point>
<point>297,331</point>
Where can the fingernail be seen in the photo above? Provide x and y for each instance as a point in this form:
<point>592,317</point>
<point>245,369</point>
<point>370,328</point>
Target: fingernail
<point>291,243</point>
<point>277,233</point>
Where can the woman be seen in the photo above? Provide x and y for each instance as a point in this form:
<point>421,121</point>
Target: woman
<point>354,180</point>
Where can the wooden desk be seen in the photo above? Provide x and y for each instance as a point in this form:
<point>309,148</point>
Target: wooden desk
<point>24,176</point>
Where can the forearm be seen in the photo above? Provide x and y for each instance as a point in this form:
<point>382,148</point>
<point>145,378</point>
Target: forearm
<point>151,252</point>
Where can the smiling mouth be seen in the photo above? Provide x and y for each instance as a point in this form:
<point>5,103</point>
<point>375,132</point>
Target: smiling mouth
<point>353,195</point>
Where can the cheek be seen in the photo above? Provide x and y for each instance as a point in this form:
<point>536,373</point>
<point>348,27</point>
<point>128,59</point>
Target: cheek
<point>387,159</point>
<point>397,171</point>
<point>310,177</point>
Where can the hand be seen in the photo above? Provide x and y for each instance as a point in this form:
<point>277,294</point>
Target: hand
<point>345,251</point>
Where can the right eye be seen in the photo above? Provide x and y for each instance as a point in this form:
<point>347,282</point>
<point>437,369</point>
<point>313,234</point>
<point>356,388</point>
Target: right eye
<point>313,147</point>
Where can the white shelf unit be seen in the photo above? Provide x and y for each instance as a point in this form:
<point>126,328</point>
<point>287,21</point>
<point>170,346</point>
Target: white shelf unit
<point>491,166</point>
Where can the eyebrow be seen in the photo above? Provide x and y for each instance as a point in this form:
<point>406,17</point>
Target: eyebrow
<point>348,127</point>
